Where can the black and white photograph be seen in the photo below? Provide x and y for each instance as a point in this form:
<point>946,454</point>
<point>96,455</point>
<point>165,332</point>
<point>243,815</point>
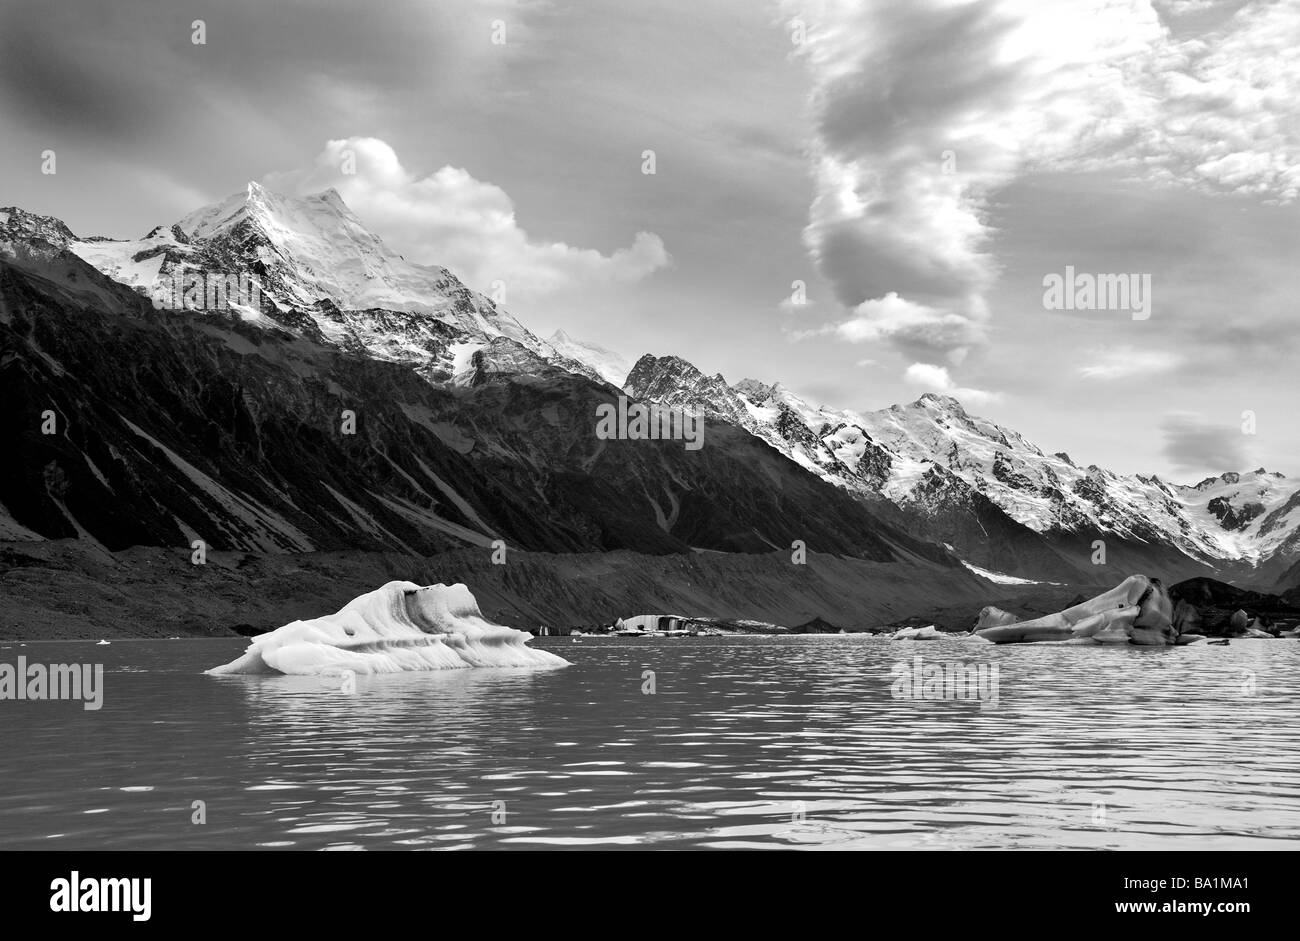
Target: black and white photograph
<point>564,425</point>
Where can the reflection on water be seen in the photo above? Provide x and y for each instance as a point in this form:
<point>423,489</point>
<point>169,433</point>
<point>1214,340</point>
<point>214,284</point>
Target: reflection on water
<point>746,742</point>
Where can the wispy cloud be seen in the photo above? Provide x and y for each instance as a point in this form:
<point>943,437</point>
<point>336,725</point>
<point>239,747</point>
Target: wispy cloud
<point>1127,362</point>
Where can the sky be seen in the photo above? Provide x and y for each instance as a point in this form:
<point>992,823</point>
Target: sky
<point>863,201</point>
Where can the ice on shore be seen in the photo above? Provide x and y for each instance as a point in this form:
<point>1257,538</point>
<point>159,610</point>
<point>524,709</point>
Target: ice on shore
<point>401,626</point>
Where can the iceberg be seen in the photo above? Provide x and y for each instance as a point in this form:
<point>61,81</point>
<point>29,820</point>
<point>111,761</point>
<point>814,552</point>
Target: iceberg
<point>1136,611</point>
<point>991,616</point>
<point>931,632</point>
<point>399,627</point>
<point>916,633</point>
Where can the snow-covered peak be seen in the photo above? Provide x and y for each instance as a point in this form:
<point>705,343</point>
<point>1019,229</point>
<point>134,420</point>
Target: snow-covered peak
<point>607,364</point>
<point>933,424</point>
<point>1233,478</point>
<point>318,226</point>
<point>671,380</point>
<point>33,225</point>
<point>757,392</point>
<point>316,265</point>
<point>1248,513</point>
<point>941,403</point>
<point>324,252</point>
<point>321,272</point>
<point>1230,517</point>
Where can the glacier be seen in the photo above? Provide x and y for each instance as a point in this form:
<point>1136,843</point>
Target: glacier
<point>399,627</point>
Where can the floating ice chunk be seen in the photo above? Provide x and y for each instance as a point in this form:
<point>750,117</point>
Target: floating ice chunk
<point>917,633</point>
<point>930,632</point>
<point>399,627</point>
<point>1137,611</point>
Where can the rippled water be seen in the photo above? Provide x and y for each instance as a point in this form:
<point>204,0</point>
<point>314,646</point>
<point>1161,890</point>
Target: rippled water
<point>745,742</point>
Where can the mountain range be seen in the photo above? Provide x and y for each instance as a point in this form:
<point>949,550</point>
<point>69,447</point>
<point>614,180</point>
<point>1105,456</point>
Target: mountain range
<point>366,403</point>
<point>231,426</point>
<point>997,499</point>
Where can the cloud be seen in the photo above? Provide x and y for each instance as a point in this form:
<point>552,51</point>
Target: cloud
<point>1194,445</point>
<point>449,218</point>
<point>936,379</point>
<point>1185,7</point>
<point>914,328</point>
<point>924,110</point>
<point>1126,362</point>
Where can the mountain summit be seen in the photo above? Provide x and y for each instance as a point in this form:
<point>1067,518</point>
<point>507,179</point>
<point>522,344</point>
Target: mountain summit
<point>610,366</point>
<point>324,275</point>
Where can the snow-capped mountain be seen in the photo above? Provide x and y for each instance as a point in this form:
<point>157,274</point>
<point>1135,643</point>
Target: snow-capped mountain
<point>307,422</point>
<point>329,287</point>
<point>953,475</point>
<point>607,364</point>
<point>672,381</point>
<point>1253,516</point>
<point>322,274</point>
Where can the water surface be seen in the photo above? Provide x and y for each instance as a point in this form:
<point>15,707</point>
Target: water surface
<point>744,742</point>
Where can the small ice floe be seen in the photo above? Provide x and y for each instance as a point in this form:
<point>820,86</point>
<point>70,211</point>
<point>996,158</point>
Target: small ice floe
<point>102,643</point>
<point>929,632</point>
<point>399,627</point>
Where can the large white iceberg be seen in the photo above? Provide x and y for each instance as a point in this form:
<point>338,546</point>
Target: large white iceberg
<point>399,627</point>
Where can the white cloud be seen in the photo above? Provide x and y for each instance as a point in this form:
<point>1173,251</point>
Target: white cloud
<point>1127,362</point>
<point>936,379</point>
<point>925,109</point>
<point>449,218</point>
<point>915,328</point>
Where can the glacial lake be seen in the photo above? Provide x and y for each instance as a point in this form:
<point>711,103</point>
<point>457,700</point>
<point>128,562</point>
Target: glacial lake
<point>748,742</point>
